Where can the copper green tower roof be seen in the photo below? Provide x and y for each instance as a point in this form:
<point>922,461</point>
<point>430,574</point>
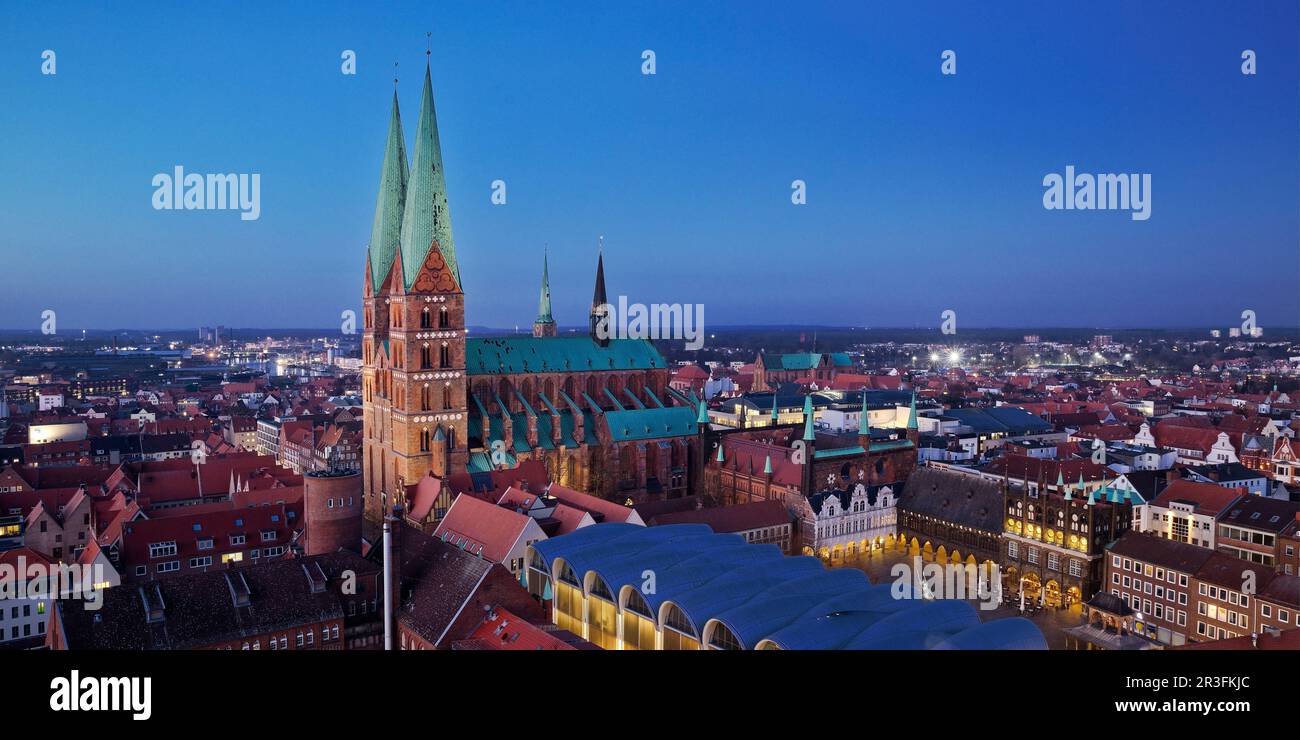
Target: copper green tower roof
<point>808,419</point>
<point>386,232</point>
<point>426,218</point>
<point>544,302</point>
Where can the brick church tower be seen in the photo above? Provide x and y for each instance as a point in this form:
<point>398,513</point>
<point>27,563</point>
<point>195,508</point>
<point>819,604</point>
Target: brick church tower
<point>413,348</point>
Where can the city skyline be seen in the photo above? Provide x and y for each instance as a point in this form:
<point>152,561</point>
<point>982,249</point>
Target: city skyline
<point>673,170</point>
<point>749,327</point>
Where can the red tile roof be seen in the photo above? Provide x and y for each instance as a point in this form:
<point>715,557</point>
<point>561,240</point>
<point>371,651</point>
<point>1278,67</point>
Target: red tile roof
<point>610,510</point>
<point>1186,437</point>
<point>1286,640</point>
<point>29,556</point>
<point>478,523</point>
<point>502,630</point>
<point>727,519</point>
<point>1210,499</point>
<point>217,524</point>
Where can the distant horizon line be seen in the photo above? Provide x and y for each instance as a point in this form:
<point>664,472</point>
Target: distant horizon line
<point>584,328</point>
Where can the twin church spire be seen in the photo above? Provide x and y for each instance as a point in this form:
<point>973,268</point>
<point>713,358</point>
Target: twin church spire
<point>386,232</point>
<point>411,212</point>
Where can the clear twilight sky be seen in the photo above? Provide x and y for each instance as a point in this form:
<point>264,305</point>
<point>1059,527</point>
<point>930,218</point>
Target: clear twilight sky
<point>924,191</point>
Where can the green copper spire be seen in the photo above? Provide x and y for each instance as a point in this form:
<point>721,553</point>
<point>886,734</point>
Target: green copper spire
<point>544,302</point>
<point>386,232</point>
<point>703,416</point>
<point>426,219</point>
<point>720,458</point>
<point>774,407</point>
<point>1060,479</point>
<point>808,420</point>
<point>767,466</point>
<point>911,413</point>
<point>1079,485</point>
<point>864,418</point>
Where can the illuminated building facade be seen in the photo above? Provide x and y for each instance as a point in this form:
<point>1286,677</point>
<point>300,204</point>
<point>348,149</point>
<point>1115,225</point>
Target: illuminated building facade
<point>1054,539</point>
<point>682,587</point>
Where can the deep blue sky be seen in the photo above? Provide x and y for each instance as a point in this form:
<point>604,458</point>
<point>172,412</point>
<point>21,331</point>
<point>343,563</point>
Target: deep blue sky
<point>924,191</point>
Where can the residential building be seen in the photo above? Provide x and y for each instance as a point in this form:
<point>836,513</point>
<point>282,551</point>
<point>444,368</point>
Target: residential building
<point>1186,511</point>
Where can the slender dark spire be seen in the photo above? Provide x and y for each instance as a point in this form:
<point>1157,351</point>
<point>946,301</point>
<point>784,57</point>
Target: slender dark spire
<point>598,300</point>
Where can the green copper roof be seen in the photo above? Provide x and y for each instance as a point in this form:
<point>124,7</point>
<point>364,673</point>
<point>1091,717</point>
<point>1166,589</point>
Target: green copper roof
<point>911,413</point>
<point>506,355</point>
<point>809,360</point>
<point>767,466</point>
<point>544,303</point>
<point>774,416</point>
<point>720,457</point>
<point>703,417</point>
<point>640,424</point>
<point>808,434</point>
<point>839,452</point>
<point>890,444</point>
<point>798,361</point>
<point>386,232</point>
<point>427,217</point>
